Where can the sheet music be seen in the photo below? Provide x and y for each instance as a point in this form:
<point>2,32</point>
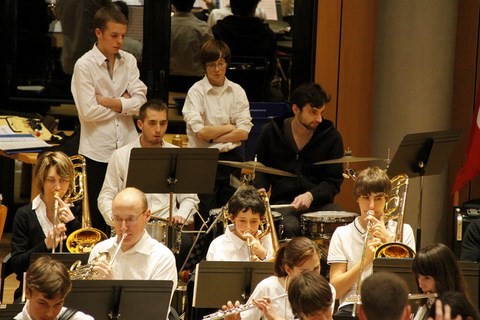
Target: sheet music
<point>10,142</point>
<point>270,8</point>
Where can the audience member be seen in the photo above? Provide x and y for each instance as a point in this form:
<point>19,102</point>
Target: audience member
<point>241,239</point>
<point>371,191</point>
<point>294,144</point>
<point>217,115</point>
<point>33,223</point>
<point>436,271</point>
<point>459,306</point>
<point>471,242</point>
<point>249,36</point>
<point>186,39</point>
<point>129,44</point>
<point>108,93</point>
<point>139,257</point>
<point>76,18</point>
<point>384,296</point>
<point>152,122</point>
<point>220,13</point>
<point>47,285</point>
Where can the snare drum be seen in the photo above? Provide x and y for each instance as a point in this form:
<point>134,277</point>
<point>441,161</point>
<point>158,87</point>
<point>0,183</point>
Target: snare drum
<point>158,230</point>
<point>322,224</point>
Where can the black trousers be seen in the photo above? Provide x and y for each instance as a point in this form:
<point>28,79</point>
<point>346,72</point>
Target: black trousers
<point>95,175</point>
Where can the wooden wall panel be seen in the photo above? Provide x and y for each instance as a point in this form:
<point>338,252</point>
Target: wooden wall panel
<point>345,65</point>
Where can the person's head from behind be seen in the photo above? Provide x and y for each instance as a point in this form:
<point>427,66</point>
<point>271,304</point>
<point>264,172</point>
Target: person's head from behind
<point>54,172</point>
<point>110,26</point>
<point>246,210</point>
<point>47,285</point>
<point>183,5</point>
<point>459,306</point>
<point>384,297</point>
<point>310,296</point>
<point>215,56</point>
<point>130,214</point>
<point>371,191</point>
<point>436,270</point>
<point>153,122</point>
<point>244,8</point>
<point>298,255</point>
<point>308,104</point>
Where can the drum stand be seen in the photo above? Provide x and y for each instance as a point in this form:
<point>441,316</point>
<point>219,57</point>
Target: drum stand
<point>423,154</point>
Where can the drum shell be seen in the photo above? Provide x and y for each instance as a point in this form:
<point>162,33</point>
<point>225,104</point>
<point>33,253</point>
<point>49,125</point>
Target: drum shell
<point>158,230</point>
<point>322,224</point>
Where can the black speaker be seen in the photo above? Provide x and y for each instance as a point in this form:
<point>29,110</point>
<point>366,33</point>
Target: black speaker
<point>463,215</point>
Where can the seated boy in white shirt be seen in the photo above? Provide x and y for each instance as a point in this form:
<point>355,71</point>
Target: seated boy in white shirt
<point>241,239</point>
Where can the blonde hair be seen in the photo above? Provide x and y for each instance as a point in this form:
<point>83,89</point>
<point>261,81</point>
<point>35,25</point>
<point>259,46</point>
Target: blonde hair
<point>62,164</point>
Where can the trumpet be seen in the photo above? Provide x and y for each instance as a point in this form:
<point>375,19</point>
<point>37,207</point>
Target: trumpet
<point>220,314</point>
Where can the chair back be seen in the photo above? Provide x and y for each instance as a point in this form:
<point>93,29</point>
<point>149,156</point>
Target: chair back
<point>252,74</point>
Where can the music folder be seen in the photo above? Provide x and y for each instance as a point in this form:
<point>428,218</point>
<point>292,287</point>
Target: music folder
<point>121,299</point>
<point>66,258</point>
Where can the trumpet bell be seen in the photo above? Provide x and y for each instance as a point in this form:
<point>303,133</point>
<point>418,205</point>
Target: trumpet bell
<point>394,250</point>
<point>83,240</point>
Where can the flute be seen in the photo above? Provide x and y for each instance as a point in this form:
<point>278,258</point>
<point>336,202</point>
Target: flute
<point>220,314</point>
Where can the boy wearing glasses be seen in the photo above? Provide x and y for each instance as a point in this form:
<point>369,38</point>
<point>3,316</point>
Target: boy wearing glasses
<point>217,115</point>
<point>140,257</point>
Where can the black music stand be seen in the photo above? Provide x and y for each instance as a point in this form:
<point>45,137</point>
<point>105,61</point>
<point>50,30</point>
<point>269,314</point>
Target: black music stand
<point>121,299</point>
<point>220,281</point>
<point>172,170</point>
<point>423,154</point>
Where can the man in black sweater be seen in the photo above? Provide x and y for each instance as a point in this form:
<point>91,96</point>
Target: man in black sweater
<point>294,144</point>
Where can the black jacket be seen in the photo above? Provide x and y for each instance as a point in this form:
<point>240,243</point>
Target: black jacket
<point>323,181</point>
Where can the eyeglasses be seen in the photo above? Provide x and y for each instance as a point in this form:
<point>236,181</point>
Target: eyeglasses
<point>128,221</point>
<point>213,65</point>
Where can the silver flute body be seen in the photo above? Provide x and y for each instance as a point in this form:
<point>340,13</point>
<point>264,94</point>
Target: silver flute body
<point>220,314</point>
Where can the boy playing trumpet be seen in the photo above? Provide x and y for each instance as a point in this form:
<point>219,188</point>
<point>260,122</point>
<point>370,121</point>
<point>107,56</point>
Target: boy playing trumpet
<point>241,239</point>
<point>371,191</point>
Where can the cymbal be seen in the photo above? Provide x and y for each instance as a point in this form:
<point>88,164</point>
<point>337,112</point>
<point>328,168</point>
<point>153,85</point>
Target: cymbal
<point>258,167</point>
<point>348,159</point>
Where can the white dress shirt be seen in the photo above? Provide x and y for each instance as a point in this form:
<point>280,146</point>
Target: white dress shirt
<point>116,180</point>
<point>77,316</point>
<point>148,259</point>
<point>347,244</point>
<point>207,105</point>
<point>229,247</point>
<point>103,130</point>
